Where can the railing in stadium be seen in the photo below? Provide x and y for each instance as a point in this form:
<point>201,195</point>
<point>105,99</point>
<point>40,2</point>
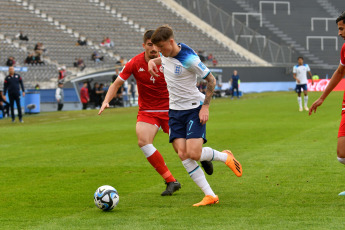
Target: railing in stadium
<point>239,32</point>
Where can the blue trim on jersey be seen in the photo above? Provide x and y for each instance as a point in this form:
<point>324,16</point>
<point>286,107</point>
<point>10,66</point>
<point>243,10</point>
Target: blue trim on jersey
<point>186,55</point>
<point>206,75</point>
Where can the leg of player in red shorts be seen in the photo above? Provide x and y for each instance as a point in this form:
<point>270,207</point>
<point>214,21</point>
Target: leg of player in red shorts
<point>146,133</point>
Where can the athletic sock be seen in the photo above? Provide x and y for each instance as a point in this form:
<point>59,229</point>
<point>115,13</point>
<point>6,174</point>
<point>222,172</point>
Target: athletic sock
<point>341,160</point>
<point>157,161</point>
<point>209,154</point>
<point>306,101</point>
<point>299,99</point>
<point>198,176</point>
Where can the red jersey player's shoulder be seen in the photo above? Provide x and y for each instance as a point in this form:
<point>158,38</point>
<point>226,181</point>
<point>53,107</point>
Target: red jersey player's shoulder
<point>130,66</point>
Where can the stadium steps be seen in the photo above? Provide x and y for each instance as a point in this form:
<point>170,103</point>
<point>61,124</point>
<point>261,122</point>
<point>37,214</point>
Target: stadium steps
<point>284,37</point>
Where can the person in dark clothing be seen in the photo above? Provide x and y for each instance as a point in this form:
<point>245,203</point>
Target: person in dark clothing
<point>22,37</point>
<point>4,105</point>
<point>10,61</point>
<point>118,99</point>
<point>234,84</point>
<point>12,84</point>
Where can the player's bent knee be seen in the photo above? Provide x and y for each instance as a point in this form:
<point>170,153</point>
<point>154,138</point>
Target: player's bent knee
<point>341,160</point>
<point>142,143</point>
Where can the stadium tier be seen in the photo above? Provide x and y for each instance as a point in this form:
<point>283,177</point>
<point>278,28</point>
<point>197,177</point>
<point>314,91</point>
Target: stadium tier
<point>295,29</point>
<point>58,24</point>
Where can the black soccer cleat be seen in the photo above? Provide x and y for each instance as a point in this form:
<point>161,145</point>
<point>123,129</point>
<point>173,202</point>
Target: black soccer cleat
<point>171,188</point>
<point>208,167</point>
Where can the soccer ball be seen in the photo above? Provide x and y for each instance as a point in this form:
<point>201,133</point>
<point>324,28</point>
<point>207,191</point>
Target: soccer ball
<point>106,198</point>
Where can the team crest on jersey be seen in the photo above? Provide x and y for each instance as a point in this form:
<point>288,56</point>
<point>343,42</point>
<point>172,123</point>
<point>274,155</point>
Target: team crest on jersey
<point>161,69</point>
<point>202,66</point>
<point>178,69</point>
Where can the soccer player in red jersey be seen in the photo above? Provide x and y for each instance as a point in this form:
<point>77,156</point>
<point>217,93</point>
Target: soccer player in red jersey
<point>153,108</point>
<point>336,78</point>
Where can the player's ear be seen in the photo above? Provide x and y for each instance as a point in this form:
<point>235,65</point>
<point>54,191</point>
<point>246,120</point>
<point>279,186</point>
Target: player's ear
<point>144,45</point>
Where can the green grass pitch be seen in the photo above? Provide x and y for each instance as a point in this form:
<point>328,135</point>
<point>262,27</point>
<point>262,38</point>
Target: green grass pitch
<point>51,165</point>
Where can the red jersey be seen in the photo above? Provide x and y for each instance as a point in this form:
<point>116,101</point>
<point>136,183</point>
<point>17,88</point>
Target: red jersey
<point>342,62</point>
<point>153,91</point>
<point>84,95</point>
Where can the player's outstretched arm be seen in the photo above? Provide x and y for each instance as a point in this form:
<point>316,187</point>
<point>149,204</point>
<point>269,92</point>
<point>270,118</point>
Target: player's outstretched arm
<point>336,78</point>
<point>152,66</point>
<point>204,112</point>
<point>111,94</point>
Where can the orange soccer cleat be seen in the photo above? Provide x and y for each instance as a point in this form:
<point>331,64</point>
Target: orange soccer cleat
<point>233,164</point>
<point>208,200</point>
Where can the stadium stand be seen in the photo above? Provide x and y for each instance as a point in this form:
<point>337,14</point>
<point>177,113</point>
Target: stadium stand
<point>58,24</point>
<point>293,29</point>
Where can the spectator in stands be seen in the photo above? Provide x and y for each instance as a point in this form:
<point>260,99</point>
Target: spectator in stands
<point>39,49</point>
<point>210,57</point>
<point>37,87</point>
<point>12,83</point>
<point>133,89</point>
<point>22,37</point>
<point>214,62</point>
<point>234,84</point>
<point>10,62</point>
<point>62,73</point>
<point>84,95</point>
<point>4,105</point>
<point>81,42</point>
<point>59,96</point>
<point>38,60</point>
<point>96,57</point>
<point>107,42</point>
<point>29,59</point>
<point>79,63</point>
<point>122,61</point>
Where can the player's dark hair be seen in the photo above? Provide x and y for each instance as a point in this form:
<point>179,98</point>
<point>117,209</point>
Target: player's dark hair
<point>148,35</point>
<point>341,17</point>
<point>300,57</point>
<point>162,33</point>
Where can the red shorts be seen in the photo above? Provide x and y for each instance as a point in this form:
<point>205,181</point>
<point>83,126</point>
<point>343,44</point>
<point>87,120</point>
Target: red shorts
<point>341,132</point>
<point>159,119</point>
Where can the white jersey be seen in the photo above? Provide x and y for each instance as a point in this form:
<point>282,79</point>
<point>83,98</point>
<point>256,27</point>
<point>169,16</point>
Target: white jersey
<point>301,73</point>
<point>180,74</point>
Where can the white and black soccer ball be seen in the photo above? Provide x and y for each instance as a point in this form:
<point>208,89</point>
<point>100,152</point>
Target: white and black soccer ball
<point>106,198</point>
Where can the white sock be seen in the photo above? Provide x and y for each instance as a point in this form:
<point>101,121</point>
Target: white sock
<point>306,101</point>
<point>299,99</point>
<point>209,154</point>
<point>198,176</point>
<point>341,160</point>
<point>148,150</point>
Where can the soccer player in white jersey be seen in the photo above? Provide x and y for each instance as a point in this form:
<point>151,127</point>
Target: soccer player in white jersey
<point>188,110</point>
<point>336,78</point>
<point>300,74</point>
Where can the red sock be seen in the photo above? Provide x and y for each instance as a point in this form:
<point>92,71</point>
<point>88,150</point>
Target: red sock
<point>157,161</point>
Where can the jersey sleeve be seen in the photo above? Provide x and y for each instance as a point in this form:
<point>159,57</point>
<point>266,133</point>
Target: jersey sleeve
<point>342,55</point>
<point>126,71</point>
<point>294,70</point>
<point>308,68</point>
<point>195,65</point>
